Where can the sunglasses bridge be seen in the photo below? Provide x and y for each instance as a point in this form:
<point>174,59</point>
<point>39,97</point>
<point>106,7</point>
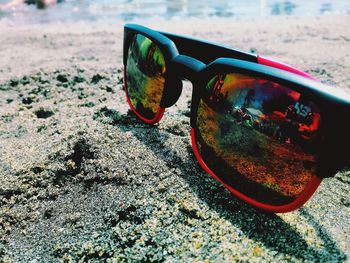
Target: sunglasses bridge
<point>185,67</point>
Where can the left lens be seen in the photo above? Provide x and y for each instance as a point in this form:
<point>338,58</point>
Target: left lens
<point>259,137</point>
<point>145,76</point>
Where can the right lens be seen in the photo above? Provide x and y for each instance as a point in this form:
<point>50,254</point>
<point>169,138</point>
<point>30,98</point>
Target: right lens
<point>145,76</point>
<point>258,137</point>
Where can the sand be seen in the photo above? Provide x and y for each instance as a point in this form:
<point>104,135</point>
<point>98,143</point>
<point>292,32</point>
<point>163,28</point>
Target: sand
<point>82,179</point>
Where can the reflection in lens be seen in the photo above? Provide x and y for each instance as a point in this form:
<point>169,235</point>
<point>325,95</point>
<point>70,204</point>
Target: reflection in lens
<point>258,136</point>
<point>145,76</point>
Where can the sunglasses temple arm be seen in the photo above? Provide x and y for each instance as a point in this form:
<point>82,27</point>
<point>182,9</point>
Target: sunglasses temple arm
<point>275,64</point>
<point>188,67</point>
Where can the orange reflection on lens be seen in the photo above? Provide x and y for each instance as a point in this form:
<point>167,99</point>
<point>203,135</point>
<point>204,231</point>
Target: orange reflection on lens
<point>258,136</point>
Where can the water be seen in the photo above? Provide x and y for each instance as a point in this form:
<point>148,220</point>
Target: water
<point>111,11</point>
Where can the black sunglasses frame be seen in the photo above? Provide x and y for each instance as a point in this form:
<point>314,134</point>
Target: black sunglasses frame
<point>199,61</point>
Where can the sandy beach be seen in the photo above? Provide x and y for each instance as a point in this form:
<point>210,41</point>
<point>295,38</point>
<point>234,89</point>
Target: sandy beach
<point>81,179</point>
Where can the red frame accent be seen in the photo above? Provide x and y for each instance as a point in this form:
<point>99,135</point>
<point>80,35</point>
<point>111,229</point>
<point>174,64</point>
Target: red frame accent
<point>275,64</point>
<point>304,196</point>
<point>157,117</point>
<point>297,203</point>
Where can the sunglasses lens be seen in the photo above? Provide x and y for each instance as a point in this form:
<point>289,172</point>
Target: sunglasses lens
<point>258,137</point>
<point>145,76</point>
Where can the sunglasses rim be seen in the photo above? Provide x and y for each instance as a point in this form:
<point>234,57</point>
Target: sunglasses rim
<point>273,70</point>
<point>303,197</point>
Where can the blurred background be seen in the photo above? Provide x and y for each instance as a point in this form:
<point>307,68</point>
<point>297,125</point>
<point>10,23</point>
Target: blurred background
<point>111,11</point>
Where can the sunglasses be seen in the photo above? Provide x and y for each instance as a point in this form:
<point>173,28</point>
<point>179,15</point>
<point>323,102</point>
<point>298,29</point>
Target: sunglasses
<point>267,131</point>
